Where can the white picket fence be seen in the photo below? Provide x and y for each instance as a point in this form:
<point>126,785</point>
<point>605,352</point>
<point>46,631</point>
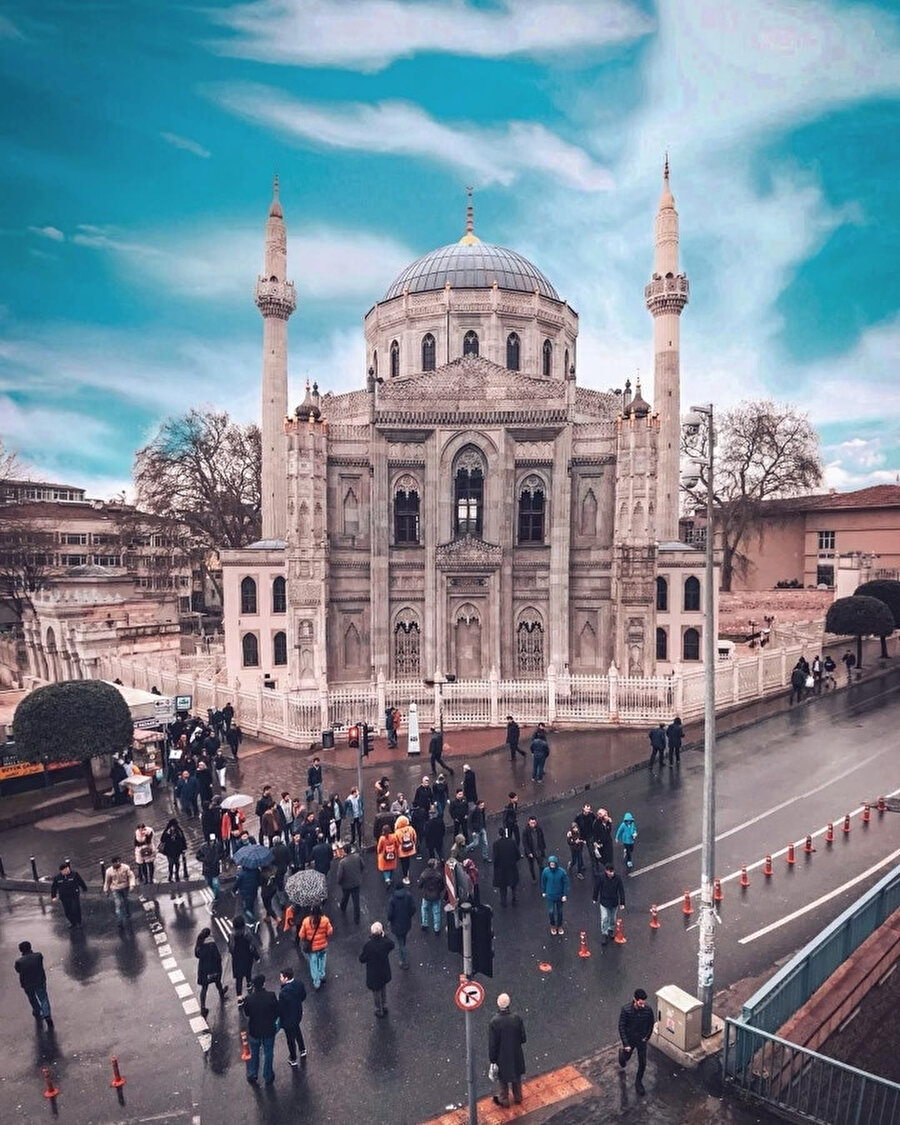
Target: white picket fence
<point>298,718</point>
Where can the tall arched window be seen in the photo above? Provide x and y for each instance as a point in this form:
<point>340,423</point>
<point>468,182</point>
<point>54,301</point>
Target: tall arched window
<point>512,351</point>
<point>468,492</point>
<point>351,513</point>
<point>407,645</point>
<point>530,647</point>
<point>547,351</point>
<point>662,644</point>
<point>352,647</point>
<point>279,595</point>
<point>531,510</point>
<point>248,595</point>
<point>470,343</point>
<point>406,510</point>
<point>690,645</point>
<point>395,359</point>
<point>279,648</point>
<point>250,650</point>
<point>692,593</point>
<point>566,362</point>
<point>375,363</point>
<point>588,525</point>
<point>428,352</point>
<point>662,594</point>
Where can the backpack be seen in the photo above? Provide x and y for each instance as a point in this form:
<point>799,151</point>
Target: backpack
<point>406,840</point>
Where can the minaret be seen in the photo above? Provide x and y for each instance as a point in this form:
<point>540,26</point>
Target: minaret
<point>666,295</point>
<point>276,300</point>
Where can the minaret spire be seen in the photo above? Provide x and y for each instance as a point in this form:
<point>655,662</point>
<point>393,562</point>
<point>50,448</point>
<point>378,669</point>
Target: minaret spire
<point>469,238</point>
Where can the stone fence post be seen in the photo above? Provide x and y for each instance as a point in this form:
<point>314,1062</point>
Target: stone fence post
<point>613,693</point>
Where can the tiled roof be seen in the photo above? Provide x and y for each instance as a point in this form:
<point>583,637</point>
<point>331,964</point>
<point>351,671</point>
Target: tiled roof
<point>877,496</point>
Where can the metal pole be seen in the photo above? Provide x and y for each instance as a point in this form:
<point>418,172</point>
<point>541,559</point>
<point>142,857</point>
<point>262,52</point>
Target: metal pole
<point>707,951</point>
<point>34,873</point>
<point>465,909</point>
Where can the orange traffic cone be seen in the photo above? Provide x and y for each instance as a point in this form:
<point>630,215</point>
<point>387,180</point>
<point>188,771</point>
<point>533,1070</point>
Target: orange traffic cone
<point>768,869</point>
<point>50,1091</point>
<point>583,950</point>
<point>117,1081</point>
<point>808,846</point>
<point>790,856</point>
<point>866,813</point>
<point>245,1047</point>
<point>619,938</point>
<point>829,833</point>
<point>687,908</point>
<point>882,805</point>
<point>717,891</point>
<point>846,827</point>
<point>654,921</point>
<point>745,878</point>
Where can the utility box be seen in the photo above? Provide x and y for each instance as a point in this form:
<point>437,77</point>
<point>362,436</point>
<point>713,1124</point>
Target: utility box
<point>680,1016</point>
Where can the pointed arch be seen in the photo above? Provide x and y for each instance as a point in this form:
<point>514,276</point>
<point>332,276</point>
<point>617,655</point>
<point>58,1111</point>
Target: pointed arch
<point>587,645</point>
<point>407,645</point>
<point>352,647</point>
<point>692,594</point>
<point>470,343</point>
<point>279,595</point>
<point>250,650</point>
<point>468,491</point>
<point>531,499</point>
<point>530,644</point>
<point>662,644</point>
<point>279,648</point>
<point>513,351</point>
<point>637,523</point>
<point>690,645</point>
<point>662,594</point>
<point>429,352</point>
<point>588,522</point>
<point>547,359</point>
<point>566,362</point>
<point>248,595</point>
<point>395,359</point>
<point>406,509</point>
<point>351,513</point>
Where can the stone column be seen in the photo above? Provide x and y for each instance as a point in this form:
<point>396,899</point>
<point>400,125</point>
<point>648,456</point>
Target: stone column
<point>379,538</point>
<point>560,540</point>
<point>434,650</point>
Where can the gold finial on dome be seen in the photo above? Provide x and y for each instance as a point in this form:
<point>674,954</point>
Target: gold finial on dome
<point>469,238</point>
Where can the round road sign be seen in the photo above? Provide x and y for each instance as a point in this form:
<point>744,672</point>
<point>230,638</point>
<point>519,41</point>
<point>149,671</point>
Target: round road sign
<point>469,995</point>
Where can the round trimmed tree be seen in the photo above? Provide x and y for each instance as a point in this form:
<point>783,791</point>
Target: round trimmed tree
<point>860,617</point>
<point>73,721</point>
<point>887,590</point>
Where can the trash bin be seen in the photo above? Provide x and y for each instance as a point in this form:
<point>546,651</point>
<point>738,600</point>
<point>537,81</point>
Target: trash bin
<point>327,739</point>
<point>679,1017</point>
<point>141,790</point>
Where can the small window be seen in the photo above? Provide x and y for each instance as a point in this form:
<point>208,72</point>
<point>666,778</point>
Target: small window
<point>662,644</point>
<point>548,358</point>
<point>512,351</point>
<point>662,594</point>
<point>824,575</point>
<point>279,648</point>
<point>375,364</point>
<point>351,513</point>
<point>469,499</point>
<point>470,343</point>
<point>250,650</point>
<point>826,540</point>
<point>279,595</point>
<point>428,352</point>
<point>406,516</point>
<point>531,511</point>
<point>248,595</point>
<point>690,645</point>
<point>692,594</point>
<point>395,359</point>
<point>566,362</point>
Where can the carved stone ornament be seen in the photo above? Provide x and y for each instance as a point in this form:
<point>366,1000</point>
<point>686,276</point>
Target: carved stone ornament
<point>468,553</point>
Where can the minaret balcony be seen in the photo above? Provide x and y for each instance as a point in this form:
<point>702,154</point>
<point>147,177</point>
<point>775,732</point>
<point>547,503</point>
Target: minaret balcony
<point>275,298</point>
<point>667,294</point>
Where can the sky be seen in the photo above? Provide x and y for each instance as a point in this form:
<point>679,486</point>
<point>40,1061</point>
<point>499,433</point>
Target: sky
<point>138,142</point>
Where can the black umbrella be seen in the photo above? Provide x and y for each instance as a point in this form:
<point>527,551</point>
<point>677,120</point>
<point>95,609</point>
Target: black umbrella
<point>306,888</point>
<point>253,855</point>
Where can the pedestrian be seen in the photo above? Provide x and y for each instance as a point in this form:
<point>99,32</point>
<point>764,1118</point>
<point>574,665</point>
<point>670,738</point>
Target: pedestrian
<point>314,782</point>
<point>798,684</point>
<point>423,798</point>
<point>336,806</point>
<point>118,882</point>
<point>209,967</point>
<point>399,805</point>
<point>33,979</point>
<point>849,662</point>
<point>555,889</point>
<point>506,866</point>
<point>382,790</point>
<point>435,750</point>
<point>441,793</point>
<point>383,816</point>
<point>68,886</point>
<point>353,811</point>
<point>506,1038</point>
<point>817,674</point>
<point>389,728</point>
<point>477,822</point>
<point>291,996</point>
<point>322,855</point>
<point>472,871</point>
<point>187,791</point>
<point>434,835</point>
<point>511,817</point>
<point>540,751</point>
<point>626,835</point>
<point>281,861</point>
<point>244,952</point>
<point>675,737</point>
<point>209,855</point>
<point>228,716</point>
<point>313,935</point>
<point>173,845</point>
<point>459,812</point>
<point>602,851</point>
<point>386,854</point>
<point>144,853</point>
<point>270,825</point>
<point>535,847</point>
<point>407,843</point>
<point>246,885</point>
<point>204,781</point>
<point>470,785</point>
<point>512,738</point>
<point>585,821</point>
<point>576,850</point>
<point>261,1010</point>
<point>609,892</point>
<point>264,801</point>
<point>431,884</point>
<point>401,910</point>
<point>657,738</point>
<point>375,956</point>
<point>829,668</point>
<point>117,774</point>
<point>234,736</point>
<point>635,1029</point>
<point>349,878</point>
<point>220,763</point>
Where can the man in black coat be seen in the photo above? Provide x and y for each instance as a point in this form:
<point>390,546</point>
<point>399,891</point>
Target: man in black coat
<point>470,786</point>
<point>635,1029</point>
<point>506,1037</point>
<point>459,811</point>
<point>602,841</point>
<point>33,979</point>
<point>658,745</point>
<point>535,847</point>
<point>68,887</point>
<point>424,796</point>
<point>512,738</point>
<point>290,1012</point>
<point>435,751</point>
<point>609,892</point>
<point>434,835</point>
<point>506,866</point>
<point>261,1013</point>
<point>375,956</point>
<point>234,736</point>
<point>675,737</point>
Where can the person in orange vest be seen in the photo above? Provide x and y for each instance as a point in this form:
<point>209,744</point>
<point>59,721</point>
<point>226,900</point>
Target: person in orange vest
<point>407,843</point>
<point>386,853</point>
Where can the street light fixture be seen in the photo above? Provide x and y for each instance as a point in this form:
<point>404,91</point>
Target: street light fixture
<point>702,418</point>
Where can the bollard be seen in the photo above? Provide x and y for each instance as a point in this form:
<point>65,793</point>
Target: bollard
<point>745,878</point>
<point>619,938</point>
<point>654,921</point>
<point>768,869</point>
<point>717,891</point>
<point>846,826</point>
<point>881,806</point>
<point>50,1091</point>
<point>829,833</point>
<point>808,846</point>
<point>245,1047</point>
<point>583,950</point>
<point>790,856</point>
<point>102,871</point>
<point>117,1081</point>
<point>686,906</point>
<point>3,871</point>
<point>34,873</point>
<point>866,813</point>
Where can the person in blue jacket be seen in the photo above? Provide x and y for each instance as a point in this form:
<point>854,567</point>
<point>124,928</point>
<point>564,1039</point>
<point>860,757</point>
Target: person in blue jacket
<point>626,835</point>
<point>555,889</point>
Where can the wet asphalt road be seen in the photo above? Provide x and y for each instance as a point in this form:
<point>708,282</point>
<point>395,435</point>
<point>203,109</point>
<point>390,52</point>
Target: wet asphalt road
<point>112,994</point>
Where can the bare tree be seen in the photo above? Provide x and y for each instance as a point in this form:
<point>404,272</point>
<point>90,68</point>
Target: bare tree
<point>26,560</point>
<point>764,451</point>
<point>9,463</point>
<point>204,470</point>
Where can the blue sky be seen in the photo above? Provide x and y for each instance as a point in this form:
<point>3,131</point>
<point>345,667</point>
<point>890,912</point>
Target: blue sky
<point>139,141</point>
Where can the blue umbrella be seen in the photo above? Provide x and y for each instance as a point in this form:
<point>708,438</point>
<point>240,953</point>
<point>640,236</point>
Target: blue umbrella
<point>253,856</point>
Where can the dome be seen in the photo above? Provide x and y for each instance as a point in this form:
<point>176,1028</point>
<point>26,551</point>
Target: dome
<point>471,265</point>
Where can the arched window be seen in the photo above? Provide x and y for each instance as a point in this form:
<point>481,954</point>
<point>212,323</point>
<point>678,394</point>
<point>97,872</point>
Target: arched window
<point>468,495</point>
<point>512,351</point>
<point>690,645</point>
<point>662,644</point>
<point>566,362</point>
<point>351,513</point>
<point>530,647</point>
<point>588,525</point>
<point>470,343</point>
<point>531,510</point>
<point>406,510</point>
<point>250,650</point>
<point>662,594</point>
<point>352,647</point>
<point>375,363</point>
<point>428,352</point>
<point>279,595</point>
<point>692,593</point>
<point>407,645</point>
<point>395,359</point>
<point>548,358</point>
<point>248,595</point>
<point>279,648</point>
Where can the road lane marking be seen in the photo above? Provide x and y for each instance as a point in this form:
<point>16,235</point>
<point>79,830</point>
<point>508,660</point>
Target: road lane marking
<point>761,816</point>
<point>820,901</point>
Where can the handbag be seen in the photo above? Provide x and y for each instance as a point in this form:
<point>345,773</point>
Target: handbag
<point>306,943</point>
<point>810,682</point>
<point>624,1055</point>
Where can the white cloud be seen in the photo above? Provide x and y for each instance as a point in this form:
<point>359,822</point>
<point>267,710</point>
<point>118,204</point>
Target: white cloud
<point>28,427</point>
<point>107,238</point>
<point>53,233</point>
<point>186,144</point>
<point>488,155</point>
<point>370,34</point>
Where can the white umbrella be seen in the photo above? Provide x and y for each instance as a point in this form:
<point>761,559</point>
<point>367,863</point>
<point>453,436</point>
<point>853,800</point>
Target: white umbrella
<point>236,801</point>
<point>136,779</point>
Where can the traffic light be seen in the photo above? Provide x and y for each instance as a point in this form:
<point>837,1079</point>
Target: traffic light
<point>366,740</point>
<point>454,934</point>
<point>353,737</point>
<point>483,941</point>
